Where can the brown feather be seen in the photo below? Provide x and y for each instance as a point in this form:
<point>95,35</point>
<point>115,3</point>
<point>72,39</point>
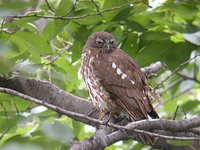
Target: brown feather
<point>119,78</point>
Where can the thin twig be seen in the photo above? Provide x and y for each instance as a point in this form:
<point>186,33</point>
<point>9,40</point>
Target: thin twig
<point>176,70</point>
<point>70,18</point>
<point>70,9</point>
<point>175,112</point>
<point>166,136</point>
<point>2,23</point>
<point>15,105</point>
<point>4,110</point>
<point>97,6</point>
<point>6,131</point>
<point>172,85</point>
<point>187,77</point>
<point>184,113</point>
<point>49,6</point>
<point>146,3</point>
<point>169,98</point>
<point>66,48</point>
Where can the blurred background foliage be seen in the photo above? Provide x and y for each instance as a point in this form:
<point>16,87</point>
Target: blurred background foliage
<point>50,49</point>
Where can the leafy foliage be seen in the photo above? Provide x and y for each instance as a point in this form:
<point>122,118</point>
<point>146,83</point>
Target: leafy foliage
<point>168,33</point>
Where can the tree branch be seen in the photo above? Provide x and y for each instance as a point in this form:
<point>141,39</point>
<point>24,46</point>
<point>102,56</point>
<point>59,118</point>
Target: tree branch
<point>176,70</point>
<point>49,6</point>
<point>78,108</point>
<point>133,127</point>
<point>70,18</point>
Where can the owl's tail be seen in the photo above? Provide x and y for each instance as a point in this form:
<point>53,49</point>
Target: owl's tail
<point>147,139</point>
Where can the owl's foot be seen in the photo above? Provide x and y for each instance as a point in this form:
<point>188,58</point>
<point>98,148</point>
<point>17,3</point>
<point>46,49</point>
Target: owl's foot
<point>101,115</point>
<point>105,121</point>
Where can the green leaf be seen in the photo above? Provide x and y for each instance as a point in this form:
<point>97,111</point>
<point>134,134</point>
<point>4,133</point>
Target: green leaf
<point>190,105</point>
<point>34,43</point>
<point>66,70</point>
<point>185,11</point>
<point>123,14</point>
<point>4,36</point>
<point>152,52</point>
<point>174,26</point>
<point>99,27</point>
<point>6,66</point>
<point>193,37</point>
<point>20,103</point>
<point>180,143</point>
<point>30,27</point>
<point>155,35</point>
<point>76,50</point>
<point>50,31</point>
<point>134,26</point>
<point>64,7</point>
<point>110,4</point>
<point>81,93</point>
<point>20,146</point>
<point>156,16</point>
<point>186,85</point>
<point>89,20</point>
<point>129,45</point>
<point>30,68</point>
<point>57,131</point>
<point>77,31</point>
<point>178,53</point>
<point>21,57</point>
<point>76,127</point>
<point>118,34</point>
<point>171,80</point>
<point>141,19</point>
<point>9,7</point>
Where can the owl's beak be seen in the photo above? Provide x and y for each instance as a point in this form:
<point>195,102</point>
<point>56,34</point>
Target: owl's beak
<point>107,47</point>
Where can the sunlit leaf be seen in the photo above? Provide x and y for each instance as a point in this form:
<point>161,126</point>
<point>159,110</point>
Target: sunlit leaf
<point>76,31</point>
<point>50,31</point>
<point>193,37</point>
<point>34,43</point>
<point>76,50</point>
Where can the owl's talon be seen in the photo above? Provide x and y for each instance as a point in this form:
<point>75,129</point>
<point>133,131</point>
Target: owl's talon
<point>105,122</point>
<point>101,115</point>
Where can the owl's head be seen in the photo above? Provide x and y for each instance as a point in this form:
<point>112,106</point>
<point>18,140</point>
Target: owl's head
<point>101,41</point>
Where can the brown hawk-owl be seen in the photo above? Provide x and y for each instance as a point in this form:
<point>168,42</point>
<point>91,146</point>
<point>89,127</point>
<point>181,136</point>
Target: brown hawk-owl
<point>114,78</point>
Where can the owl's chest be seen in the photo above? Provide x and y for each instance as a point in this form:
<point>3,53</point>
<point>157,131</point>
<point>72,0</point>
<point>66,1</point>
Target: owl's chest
<point>98,94</point>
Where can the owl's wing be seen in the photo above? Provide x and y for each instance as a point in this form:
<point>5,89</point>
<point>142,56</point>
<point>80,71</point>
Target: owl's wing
<point>123,79</point>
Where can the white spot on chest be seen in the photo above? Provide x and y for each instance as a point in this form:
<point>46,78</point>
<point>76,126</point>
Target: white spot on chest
<point>124,76</point>
<point>114,65</point>
<point>119,71</point>
<point>133,82</point>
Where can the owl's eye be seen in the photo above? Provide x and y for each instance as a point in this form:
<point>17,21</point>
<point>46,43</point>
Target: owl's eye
<point>99,41</point>
<point>112,42</point>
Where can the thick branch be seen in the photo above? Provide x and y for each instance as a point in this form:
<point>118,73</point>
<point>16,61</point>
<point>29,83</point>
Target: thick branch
<point>49,95</point>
